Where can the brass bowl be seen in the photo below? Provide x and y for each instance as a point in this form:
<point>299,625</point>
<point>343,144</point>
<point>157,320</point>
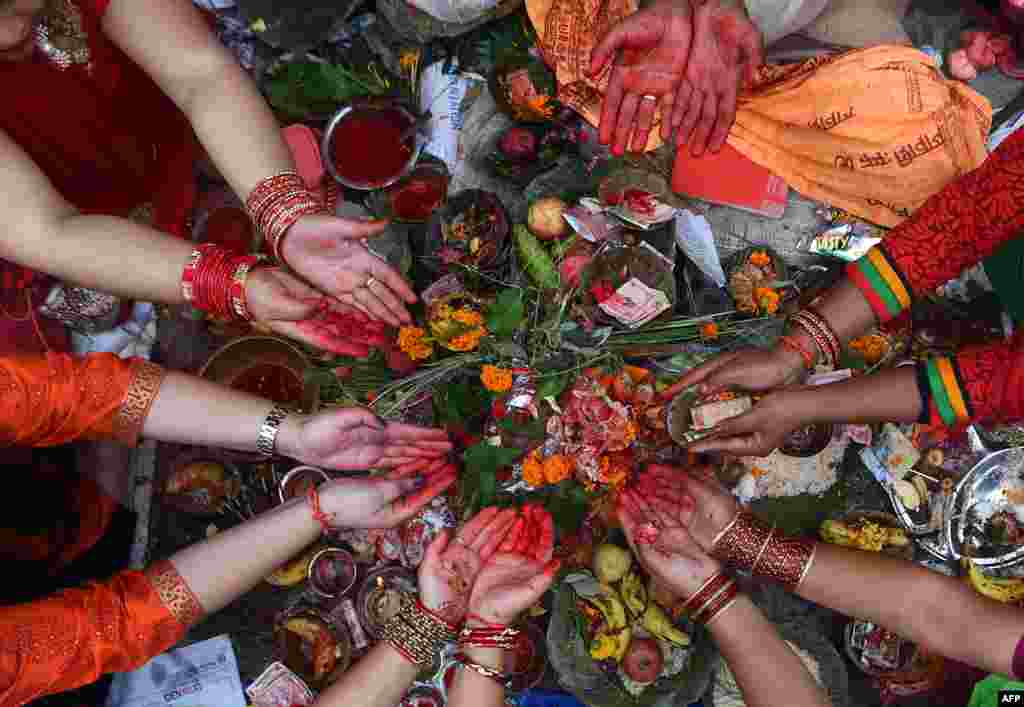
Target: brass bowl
<point>297,661</point>
<point>231,361</point>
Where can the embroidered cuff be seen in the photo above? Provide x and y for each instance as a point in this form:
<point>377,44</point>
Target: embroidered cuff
<point>174,593</point>
<point>882,284</point>
<point>138,399</point>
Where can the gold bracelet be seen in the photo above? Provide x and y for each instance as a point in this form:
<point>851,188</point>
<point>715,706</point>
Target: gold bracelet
<point>484,670</point>
<point>417,634</point>
<point>753,567</point>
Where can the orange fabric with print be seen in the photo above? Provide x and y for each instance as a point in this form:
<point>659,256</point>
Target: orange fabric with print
<point>73,638</point>
<point>56,398</point>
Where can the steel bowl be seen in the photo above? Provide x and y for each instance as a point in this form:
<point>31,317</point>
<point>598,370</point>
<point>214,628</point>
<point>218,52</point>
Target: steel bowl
<point>326,145</point>
<point>283,493</point>
<point>320,576</point>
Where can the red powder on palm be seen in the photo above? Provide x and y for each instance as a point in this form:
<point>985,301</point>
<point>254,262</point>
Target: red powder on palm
<point>367,147</point>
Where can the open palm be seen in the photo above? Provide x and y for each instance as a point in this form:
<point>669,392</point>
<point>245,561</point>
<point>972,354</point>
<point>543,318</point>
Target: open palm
<point>329,252</point>
<point>653,47</point>
<point>509,585</point>
<point>451,566</point>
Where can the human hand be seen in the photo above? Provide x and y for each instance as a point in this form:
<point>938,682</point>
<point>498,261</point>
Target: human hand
<point>292,308</point>
<point>653,46</point>
<point>517,576</point>
<point>355,438</point>
<point>381,501</point>
<point>450,567</point>
<point>664,547</point>
<point>763,429</point>
<point>751,370</point>
<point>726,49</point>
<point>693,496</point>
<point>329,252</point>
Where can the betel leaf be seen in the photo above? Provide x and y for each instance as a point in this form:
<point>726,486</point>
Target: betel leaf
<point>459,402</point>
<point>482,462</point>
<point>552,386</point>
<point>568,506</point>
<point>534,429</point>
<point>506,315</point>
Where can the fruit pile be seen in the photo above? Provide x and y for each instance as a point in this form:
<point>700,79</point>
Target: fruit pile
<point>628,633</point>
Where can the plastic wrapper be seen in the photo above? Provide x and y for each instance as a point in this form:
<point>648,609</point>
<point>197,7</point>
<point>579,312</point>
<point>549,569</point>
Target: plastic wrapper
<point>846,242</point>
<point>413,23</point>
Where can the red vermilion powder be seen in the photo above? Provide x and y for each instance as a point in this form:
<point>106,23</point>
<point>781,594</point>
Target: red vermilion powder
<point>270,381</point>
<point>366,146</point>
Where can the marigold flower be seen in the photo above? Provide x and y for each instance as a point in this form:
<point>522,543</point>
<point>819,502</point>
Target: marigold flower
<point>496,380</point>
<point>760,258</point>
<point>557,468</point>
<point>468,317</point>
<point>542,106</point>
<point>709,330</point>
<point>533,469</point>
<point>409,59</point>
<point>412,341</point>
<point>872,348</point>
<point>612,473</point>
<point>767,300</point>
<point>468,341</point>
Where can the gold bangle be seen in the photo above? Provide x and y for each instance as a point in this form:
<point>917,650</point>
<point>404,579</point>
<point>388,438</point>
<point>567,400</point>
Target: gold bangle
<point>722,533</point>
<point>485,671</point>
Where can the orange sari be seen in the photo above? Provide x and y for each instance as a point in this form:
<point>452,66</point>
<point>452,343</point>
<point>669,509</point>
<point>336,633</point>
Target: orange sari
<point>72,638</point>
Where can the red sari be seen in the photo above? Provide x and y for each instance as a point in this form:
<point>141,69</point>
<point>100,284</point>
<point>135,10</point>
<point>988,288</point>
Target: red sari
<point>106,136</point>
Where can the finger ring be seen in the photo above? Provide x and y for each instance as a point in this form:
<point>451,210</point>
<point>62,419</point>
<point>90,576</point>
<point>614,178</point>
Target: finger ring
<point>369,281</point>
<point>649,97</point>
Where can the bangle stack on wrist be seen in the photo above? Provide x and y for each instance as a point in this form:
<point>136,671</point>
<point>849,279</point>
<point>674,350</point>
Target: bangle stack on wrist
<point>278,202</point>
<point>214,281</point>
<point>751,545</point>
<point>504,638</point>
<point>791,344</point>
<point>715,596</point>
<point>417,633</point>
<point>824,337</point>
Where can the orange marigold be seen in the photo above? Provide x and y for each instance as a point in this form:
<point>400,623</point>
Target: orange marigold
<point>760,258</point>
<point>468,341</point>
<point>496,380</point>
<point>709,330</point>
<point>767,299</point>
<point>612,473</point>
<point>533,469</point>
<point>412,340</point>
<point>872,347</point>
<point>557,468</point>
<point>468,317</point>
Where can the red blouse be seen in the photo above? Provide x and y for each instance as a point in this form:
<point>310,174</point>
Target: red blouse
<point>960,226</point>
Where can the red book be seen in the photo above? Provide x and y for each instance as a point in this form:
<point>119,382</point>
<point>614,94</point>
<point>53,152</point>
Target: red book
<point>732,179</point>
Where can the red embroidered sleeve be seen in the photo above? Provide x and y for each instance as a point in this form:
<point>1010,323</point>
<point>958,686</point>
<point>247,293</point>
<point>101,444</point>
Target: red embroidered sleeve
<point>992,379</point>
<point>964,223</point>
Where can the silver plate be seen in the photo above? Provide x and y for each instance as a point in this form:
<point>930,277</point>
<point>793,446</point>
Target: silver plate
<point>985,484</point>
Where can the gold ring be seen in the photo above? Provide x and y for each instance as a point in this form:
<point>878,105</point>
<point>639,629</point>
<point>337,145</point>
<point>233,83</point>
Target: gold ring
<point>649,97</point>
<point>369,281</point>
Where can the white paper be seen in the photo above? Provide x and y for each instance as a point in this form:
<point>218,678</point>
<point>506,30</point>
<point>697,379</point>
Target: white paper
<point>695,239</point>
<point>443,89</point>
<point>200,675</point>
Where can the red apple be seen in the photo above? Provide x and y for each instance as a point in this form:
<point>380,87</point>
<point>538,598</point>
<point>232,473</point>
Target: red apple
<point>643,661</point>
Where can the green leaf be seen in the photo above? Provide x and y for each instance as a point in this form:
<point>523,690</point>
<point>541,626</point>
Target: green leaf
<point>568,506</point>
<point>482,462</point>
<point>460,401</point>
<point>534,429</point>
<point>508,312</point>
<point>552,386</point>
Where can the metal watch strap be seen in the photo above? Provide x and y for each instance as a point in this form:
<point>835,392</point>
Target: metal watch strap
<point>266,442</point>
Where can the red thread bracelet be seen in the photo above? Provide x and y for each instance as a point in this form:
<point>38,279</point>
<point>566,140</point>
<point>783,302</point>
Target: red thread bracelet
<point>791,344</point>
<point>324,519</point>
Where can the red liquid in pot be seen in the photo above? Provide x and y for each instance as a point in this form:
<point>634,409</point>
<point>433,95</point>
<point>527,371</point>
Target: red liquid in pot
<point>366,146</point>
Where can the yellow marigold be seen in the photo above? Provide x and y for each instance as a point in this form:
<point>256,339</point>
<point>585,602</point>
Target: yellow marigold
<point>533,469</point>
<point>767,300</point>
<point>760,258</point>
<point>872,347</point>
<point>412,340</point>
<point>468,341</point>
<point>468,317</point>
<point>557,468</point>
<point>709,330</point>
<point>496,380</point>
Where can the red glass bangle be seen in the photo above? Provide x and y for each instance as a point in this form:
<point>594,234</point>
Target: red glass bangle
<point>277,203</point>
<point>718,605</point>
<point>709,589</point>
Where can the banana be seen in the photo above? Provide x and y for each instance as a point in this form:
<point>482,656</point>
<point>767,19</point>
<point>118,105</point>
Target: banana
<point>611,644</point>
<point>1008,591</point>
<point>634,594</point>
<point>611,607</point>
<point>658,623</point>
